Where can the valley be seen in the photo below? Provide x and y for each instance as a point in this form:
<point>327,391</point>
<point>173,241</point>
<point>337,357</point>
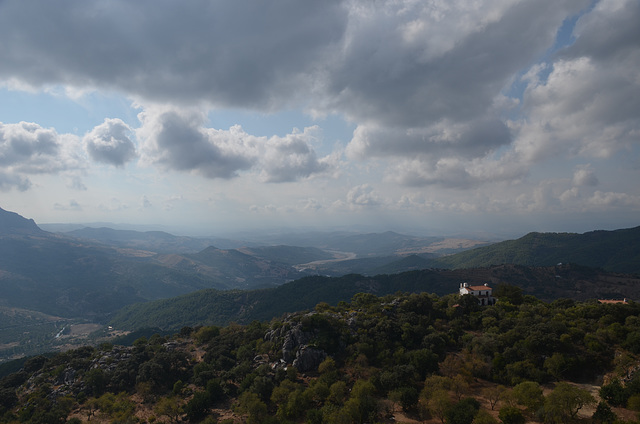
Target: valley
<point>149,327</point>
<point>99,276</point>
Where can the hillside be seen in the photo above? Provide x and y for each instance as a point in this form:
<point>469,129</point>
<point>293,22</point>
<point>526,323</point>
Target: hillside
<point>365,245</point>
<point>153,241</point>
<point>615,251</point>
<point>12,223</point>
<point>63,277</point>
<point>398,358</point>
<point>213,307</point>
<point>94,276</point>
<point>290,255</point>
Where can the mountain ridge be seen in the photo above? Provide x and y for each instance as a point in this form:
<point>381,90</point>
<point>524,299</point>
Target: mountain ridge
<point>615,251</point>
<point>212,307</point>
<point>13,223</point>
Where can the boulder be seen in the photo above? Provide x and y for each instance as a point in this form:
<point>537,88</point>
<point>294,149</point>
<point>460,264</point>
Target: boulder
<point>308,358</point>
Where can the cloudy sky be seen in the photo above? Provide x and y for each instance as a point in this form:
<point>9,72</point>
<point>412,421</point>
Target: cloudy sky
<point>433,115</point>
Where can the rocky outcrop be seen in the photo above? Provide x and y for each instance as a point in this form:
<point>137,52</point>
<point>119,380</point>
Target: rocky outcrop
<point>296,349</point>
<point>308,358</point>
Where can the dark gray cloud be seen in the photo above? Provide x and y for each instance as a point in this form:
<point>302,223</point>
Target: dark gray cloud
<point>228,52</point>
<point>582,104</point>
<point>466,139</point>
<point>109,143</point>
<point>405,63</point>
<point>425,83</point>
<point>9,181</point>
<point>179,140</point>
<point>28,146</point>
<point>609,33</point>
<point>439,73</point>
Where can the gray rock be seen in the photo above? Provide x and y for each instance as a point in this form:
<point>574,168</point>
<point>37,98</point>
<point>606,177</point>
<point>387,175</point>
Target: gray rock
<point>308,358</point>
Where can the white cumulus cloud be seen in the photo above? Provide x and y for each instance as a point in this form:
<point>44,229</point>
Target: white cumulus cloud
<point>27,149</point>
<point>109,143</point>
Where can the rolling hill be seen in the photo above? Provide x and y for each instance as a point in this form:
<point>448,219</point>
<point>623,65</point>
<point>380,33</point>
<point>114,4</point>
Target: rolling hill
<point>214,307</point>
<point>98,272</point>
<point>153,241</point>
<point>614,251</point>
<point>86,277</point>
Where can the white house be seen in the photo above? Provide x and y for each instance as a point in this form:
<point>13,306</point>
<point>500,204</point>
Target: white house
<point>484,293</point>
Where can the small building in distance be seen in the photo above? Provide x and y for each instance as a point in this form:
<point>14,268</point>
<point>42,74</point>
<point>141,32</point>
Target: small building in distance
<point>613,301</point>
<point>483,293</point>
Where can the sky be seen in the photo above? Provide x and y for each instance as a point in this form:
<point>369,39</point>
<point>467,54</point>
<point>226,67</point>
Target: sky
<point>431,116</point>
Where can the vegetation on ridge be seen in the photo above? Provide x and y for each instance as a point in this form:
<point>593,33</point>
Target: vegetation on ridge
<point>213,307</point>
<point>615,251</point>
<point>432,359</point>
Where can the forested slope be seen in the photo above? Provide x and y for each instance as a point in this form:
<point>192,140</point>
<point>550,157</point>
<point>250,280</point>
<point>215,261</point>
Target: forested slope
<point>214,307</point>
<point>414,357</point>
<point>614,251</point>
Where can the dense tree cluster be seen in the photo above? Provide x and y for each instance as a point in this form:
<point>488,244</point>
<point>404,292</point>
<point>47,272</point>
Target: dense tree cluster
<point>434,358</point>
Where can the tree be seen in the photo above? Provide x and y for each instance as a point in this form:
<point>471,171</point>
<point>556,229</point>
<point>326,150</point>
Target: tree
<point>564,402</point>
<point>170,408</point>
<point>439,403</point>
<point>454,365</point>
<point>198,406</point>
<point>363,299</point>
<point>315,416</point>
<point>493,394</point>
<point>484,417</point>
<point>92,406</point>
<point>508,293</point>
<point>511,415</point>
<point>408,398</point>
<point>337,393</point>
<point>462,412</point>
<point>529,395</point>
<point>96,381</point>
<point>118,407</point>
<point>614,393</point>
<point>436,382</point>
<point>251,404</point>
<point>603,414</point>
<point>633,403</point>
<point>395,396</point>
<point>362,407</point>
<point>206,334</point>
<point>460,386</point>
<point>557,365</point>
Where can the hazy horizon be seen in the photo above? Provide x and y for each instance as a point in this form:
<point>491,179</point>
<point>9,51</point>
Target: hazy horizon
<point>258,232</point>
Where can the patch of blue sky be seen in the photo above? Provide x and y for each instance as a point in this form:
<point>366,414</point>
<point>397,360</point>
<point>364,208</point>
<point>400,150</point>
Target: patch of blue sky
<point>564,38</point>
<point>51,109</point>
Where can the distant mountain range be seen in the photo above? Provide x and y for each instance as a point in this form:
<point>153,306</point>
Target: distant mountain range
<point>155,241</point>
<point>92,273</point>
<point>615,251</point>
<point>213,307</point>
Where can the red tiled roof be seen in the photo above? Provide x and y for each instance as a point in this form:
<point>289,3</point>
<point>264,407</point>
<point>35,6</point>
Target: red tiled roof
<point>478,288</point>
